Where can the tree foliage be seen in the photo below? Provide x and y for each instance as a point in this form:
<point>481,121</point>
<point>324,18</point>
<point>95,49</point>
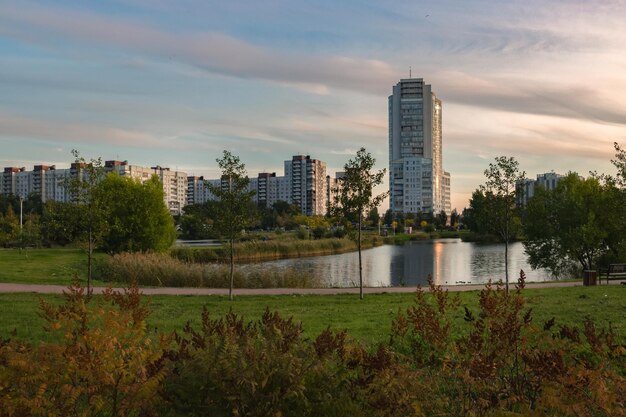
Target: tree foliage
<point>500,192</point>
<point>568,224</point>
<point>82,188</point>
<point>137,217</point>
<point>355,195</point>
<point>234,203</point>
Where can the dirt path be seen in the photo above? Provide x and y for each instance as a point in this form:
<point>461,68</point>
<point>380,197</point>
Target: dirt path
<point>58,289</point>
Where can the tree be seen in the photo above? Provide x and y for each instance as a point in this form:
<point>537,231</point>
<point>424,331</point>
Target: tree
<point>476,217</point>
<point>234,204</point>
<point>500,190</point>
<point>355,195</point>
<point>9,227</point>
<point>61,223</point>
<point>373,217</point>
<point>82,188</point>
<point>388,218</point>
<point>195,223</point>
<point>441,219</point>
<point>566,224</point>
<point>455,218</point>
<point>138,218</point>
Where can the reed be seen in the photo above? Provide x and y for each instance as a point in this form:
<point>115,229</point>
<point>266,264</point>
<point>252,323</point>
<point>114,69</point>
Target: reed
<point>258,250</point>
<point>150,269</point>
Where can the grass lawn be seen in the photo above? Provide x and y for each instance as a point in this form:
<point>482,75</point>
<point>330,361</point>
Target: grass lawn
<point>43,266</point>
<point>368,320</point>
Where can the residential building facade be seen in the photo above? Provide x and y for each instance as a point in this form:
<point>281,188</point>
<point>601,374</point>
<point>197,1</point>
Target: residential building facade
<point>304,184</point>
<point>527,187</point>
<point>49,183</point>
<point>417,181</point>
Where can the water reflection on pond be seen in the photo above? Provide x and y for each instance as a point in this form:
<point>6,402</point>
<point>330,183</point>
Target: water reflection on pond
<point>449,261</point>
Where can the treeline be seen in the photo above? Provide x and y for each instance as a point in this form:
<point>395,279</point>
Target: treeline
<point>197,221</point>
<point>108,361</point>
<point>578,225</point>
<point>121,215</point>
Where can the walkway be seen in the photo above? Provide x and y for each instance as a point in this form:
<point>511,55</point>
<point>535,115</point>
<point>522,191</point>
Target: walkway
<point>58,289</point>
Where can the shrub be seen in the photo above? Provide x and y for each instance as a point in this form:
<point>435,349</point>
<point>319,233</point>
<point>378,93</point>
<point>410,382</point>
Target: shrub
<point>265,368</point>
<point>105,365</point>
<point>162,270</point>
<point>504,362</point>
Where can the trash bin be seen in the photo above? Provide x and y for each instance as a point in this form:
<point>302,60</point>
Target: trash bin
<point>590,278</point>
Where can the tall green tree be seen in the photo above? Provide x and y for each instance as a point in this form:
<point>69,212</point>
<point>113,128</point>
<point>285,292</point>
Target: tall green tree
<point>567,224</point>
<point>500,191</point>
<point>137,215</point>
<point>355,196</point>
<point>61,223</point>
<point>615,207</point>
<point>234,208</point>
<point>196,222</point>
<point>9,227</point>
<point>441,219</point>
<point>476,217</point>
<point>455,219</point>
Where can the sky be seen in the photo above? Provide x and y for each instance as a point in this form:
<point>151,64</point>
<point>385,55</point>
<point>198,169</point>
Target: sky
<point>174,83</point>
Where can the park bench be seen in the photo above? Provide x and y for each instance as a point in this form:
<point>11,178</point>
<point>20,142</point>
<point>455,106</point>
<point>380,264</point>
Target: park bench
<point>614,271</point>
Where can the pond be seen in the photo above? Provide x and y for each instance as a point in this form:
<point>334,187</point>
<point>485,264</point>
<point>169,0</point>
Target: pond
<point>449,261</point>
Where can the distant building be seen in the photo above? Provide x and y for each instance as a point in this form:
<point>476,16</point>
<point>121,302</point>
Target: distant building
<point>175,186</point>
<point>417,181</point>
<point>8,180</point>
<point>526,188</point>
<point>304,184</point>
<point>332,187</point>
<point>308,184</point>
<point>49,183</point>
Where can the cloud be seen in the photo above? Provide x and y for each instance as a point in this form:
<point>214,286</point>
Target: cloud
<point>13,125</point>
<point>345,151</point>
<point>211,51</point>
<point>562,99</point>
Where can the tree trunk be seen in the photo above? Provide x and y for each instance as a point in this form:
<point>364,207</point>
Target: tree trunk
<point>506,250</point>
<point>506,264</point>
<point>360,263</point>
<point>89,254</point>
<point>232,268</point>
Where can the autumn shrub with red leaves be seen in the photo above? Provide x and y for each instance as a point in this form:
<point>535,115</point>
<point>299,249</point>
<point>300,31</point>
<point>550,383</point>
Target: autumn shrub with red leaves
<point>505,363</point>
<point>266,368</point>
<point>106,365</point>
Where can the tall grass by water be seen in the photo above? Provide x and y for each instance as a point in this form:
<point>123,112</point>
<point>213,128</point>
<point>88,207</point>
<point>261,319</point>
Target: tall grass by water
<point>162,270</point>
<point>258,250</point>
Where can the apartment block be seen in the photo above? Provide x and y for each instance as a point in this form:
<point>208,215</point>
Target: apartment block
<point>50,183</point>
<point>175,184</point>
<point>8,180</point>
<point>304,184</point>
<point>417,181</point>
<point>526,188</point>
<point>308,184</point>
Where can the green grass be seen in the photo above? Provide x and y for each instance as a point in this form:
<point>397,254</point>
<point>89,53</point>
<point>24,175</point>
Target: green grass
<point>368,320</point>
<point>43,266</point>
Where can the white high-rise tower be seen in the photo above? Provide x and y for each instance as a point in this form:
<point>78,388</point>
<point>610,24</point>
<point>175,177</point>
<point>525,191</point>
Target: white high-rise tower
<point>417,181</point>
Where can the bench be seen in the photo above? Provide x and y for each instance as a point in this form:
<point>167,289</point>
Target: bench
<point>614,271</point>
